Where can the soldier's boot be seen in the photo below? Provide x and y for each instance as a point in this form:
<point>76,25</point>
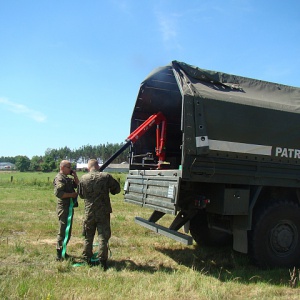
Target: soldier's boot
<point>58,254</point>
<point>103,264</point>
<point>93,262</point>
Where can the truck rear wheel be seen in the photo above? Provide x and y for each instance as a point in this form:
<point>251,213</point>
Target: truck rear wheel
<point>275,238</point>
<point>205,236</point>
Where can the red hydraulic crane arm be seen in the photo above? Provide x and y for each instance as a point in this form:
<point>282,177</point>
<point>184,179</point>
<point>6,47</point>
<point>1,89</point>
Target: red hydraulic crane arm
<point>155,119</point>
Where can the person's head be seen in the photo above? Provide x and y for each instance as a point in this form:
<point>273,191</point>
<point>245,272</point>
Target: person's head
<point>65,167</point>
<point>93,164</point>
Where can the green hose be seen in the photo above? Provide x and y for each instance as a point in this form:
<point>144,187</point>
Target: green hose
<point>69,224</point>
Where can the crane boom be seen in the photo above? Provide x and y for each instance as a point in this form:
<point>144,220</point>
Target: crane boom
<point>155,119</point>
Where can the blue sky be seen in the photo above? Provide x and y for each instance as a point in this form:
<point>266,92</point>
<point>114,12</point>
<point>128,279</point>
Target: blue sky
<point>70,70</point>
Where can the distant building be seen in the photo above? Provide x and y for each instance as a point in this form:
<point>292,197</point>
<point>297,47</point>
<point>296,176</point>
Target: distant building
<point>81,167</point>
<point>123,167</point>
<point>7,166</point>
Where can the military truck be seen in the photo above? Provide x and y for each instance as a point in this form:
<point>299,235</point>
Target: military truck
<point>230,168</point>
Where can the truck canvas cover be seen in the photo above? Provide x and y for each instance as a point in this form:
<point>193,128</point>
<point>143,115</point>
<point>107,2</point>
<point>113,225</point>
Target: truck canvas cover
<point>244,115</point>
<point>228,113</point>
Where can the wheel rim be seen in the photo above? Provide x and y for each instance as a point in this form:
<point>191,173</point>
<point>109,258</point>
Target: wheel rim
<point>283,238</point>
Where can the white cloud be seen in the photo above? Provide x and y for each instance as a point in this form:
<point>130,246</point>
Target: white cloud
<point>168,27</point>
<point>24,110</point>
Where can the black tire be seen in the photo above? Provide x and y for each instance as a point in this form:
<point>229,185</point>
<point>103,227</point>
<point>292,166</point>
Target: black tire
<point>275,238</point>
<point>204,236</point>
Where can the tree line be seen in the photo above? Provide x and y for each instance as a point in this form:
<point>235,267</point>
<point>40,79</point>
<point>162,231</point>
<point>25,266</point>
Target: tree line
<point>50,161</point>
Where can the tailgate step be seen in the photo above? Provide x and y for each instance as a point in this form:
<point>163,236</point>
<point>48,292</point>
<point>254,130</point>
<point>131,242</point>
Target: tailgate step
<point>180,237</point>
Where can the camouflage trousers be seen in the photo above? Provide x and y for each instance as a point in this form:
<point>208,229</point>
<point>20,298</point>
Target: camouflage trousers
<point>102,225</point>
<point>63,213</point>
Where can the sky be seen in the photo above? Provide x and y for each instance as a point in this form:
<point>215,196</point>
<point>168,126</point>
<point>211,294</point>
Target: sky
<point>70,70</point>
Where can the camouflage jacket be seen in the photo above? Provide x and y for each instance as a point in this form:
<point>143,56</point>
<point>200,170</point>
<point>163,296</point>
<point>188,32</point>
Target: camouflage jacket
<point>94,188</point>
<point>63,184</point>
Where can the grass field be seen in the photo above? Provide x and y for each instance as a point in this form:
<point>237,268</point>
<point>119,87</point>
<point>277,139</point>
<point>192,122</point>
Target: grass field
<point>142,265</point>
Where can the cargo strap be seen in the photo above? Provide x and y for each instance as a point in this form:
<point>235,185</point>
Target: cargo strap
<point>69,224</point>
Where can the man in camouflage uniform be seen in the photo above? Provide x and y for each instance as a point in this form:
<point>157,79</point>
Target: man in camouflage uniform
<point>64,189</point>
<point>94,188</point>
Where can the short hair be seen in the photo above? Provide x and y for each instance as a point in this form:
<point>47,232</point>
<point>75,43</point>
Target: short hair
<point>64,163</point>
<point>92,163</point>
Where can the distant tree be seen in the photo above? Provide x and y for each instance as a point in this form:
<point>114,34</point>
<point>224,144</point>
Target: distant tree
<point>77,155</point>
<point>35,163</point>
<point>54,154</point>
<point>50,161</point>
<point>88,151</point>
<point>22,163</point>
<point>48,164</point>
<point>65,153</point>
<point>8,159</point>
<point>45,167</point>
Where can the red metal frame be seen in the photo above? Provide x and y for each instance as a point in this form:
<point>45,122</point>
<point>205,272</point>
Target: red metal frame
<point>154,119</point>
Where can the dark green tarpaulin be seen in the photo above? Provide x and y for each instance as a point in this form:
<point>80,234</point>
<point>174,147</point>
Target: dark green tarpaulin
<point>238,89</point>
<point>214,111</point>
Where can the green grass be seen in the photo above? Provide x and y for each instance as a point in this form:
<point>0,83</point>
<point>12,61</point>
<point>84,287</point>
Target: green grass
<point>143,265</point>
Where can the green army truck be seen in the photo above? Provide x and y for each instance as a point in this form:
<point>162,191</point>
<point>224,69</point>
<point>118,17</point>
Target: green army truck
<point>231,168</point>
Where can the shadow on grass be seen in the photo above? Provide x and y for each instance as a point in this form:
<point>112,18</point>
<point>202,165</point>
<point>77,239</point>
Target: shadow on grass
<point>225,264</point>
<point>222,263</point>
<point>132,266</point>
<point>128,265</point>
